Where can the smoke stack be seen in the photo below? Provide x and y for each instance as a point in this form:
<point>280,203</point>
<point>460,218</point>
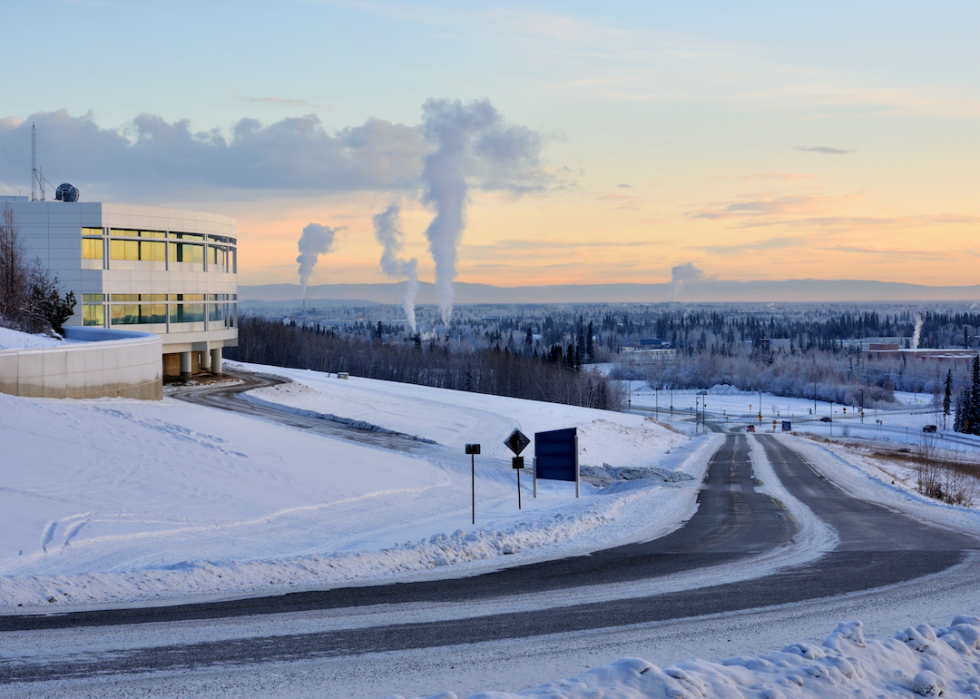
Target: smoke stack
<point>387,229</point>
<point>316,240</point>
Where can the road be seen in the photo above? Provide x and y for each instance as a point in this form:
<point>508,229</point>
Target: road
<point>734,523</point>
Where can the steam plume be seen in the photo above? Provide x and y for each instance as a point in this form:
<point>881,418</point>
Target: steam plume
<point>387,229</point>
<point>315,241</point>
<point>681,275</point>
<point>918,329</point>
<point>472,142</point>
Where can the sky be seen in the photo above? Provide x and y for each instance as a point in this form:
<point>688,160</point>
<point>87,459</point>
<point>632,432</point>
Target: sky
<point>756,140</point>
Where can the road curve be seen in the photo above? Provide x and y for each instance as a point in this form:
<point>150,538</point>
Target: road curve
<point>877,547</point>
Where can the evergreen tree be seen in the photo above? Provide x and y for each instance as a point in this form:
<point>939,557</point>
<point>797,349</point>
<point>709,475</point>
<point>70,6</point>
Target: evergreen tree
<point>947,396</point>
<point>589,344</point>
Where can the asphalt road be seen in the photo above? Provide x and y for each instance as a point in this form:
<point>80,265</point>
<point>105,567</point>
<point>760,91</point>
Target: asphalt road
<point>877,547</point>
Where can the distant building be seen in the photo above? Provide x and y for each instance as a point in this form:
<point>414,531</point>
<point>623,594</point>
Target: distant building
<point>166,271</point>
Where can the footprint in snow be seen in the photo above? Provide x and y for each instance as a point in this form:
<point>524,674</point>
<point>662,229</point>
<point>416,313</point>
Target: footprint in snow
<point>47,535</point>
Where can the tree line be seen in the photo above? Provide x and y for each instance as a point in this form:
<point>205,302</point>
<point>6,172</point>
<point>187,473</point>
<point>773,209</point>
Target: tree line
<point>492,370</point>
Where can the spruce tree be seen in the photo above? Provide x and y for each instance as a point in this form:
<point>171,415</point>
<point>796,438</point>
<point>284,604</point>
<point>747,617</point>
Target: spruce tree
<point>947,396</point>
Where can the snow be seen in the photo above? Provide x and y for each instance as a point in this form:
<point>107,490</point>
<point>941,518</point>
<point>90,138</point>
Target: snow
<point>735,408</point>
<point>919,661</point>
<point>14,340</point>
<point>113,501</point>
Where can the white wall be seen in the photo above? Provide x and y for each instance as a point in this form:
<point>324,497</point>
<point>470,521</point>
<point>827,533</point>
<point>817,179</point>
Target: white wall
<point>103,363</point>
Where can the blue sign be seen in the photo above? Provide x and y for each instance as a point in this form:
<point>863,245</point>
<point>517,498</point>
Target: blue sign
<point>556,455</point>
<point>787,426</point>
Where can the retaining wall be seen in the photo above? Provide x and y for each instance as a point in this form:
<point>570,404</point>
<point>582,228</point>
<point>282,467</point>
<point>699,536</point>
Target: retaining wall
<point>104,363</point>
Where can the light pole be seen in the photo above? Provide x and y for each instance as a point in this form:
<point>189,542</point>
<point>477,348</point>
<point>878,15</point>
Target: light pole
<point>814,399</point>
<point>656,393</point>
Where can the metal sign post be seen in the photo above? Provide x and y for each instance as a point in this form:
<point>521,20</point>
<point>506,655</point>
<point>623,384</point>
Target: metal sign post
<point>518,464</point>
<point>517,442</point>
<point>472,450</point>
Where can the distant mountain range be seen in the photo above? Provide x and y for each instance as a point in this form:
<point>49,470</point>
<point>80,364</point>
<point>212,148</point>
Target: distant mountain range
<point>792,290</point>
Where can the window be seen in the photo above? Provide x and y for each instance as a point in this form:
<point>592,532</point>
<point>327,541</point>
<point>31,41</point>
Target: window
<point>91,248</point>
<point>188,236</point>
<point>183,252</point>
<point>137,313</point>
<point>92,231</point>
<point>134,250</point>
<point>187,313</point>
<point>93,314</point>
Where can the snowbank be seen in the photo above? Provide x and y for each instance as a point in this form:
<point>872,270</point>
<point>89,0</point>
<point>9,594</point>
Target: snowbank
<point>112,501</point>
<point>921,661</point>
<point>455,418</point>
<point>12,339</point>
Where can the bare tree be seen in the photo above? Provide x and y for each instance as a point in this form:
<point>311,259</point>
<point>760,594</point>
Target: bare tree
<point>13,270</point>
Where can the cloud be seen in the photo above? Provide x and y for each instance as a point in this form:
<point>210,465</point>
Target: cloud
<point>768,244</point>
<point>767,206</point>
<point>283,102</point>
<point>151,156</point>
<point>623,186</point>
<point>780,176</point>
<point>826,150</point>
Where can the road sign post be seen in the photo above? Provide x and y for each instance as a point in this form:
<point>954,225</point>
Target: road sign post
<point>518,465</point>
<point>472,450</point>
<point>517,442</point>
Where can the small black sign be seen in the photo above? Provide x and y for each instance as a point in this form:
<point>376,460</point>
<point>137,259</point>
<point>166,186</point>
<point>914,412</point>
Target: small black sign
<point>517,462</point>
<point>517,442</point>
<point>472,449</point>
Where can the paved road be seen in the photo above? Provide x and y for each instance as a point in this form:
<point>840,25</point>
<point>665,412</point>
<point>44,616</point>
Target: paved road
<point>877,547</point>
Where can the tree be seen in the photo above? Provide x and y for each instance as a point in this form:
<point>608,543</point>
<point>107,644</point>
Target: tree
<point>590,343</point>
<point>29,296</point>
<point>947,396</point>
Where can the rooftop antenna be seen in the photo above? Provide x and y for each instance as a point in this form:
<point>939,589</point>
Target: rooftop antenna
<point>37,179</point>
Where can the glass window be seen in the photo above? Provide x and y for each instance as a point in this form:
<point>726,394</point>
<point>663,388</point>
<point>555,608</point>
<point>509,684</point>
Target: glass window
<point>156,298</point>
<point>134,250</point>
<point>187,236</point>
<point>183,252</point>
<point>124,314</point>
<point>92,231</point>
<point>187,313</point>
<point>91,248</point>
<point>153,313</point>
<point>92,314</point>
<point>216,311</point>
<point>124,250</point>
<point>189,297</point>
<point>153,252</point>
<point>124,232</point>
<point>91,298</point>
<point>152,234</point>
<point>125,298</point>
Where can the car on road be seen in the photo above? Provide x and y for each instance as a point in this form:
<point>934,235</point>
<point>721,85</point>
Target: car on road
<point>750,428</point>
<point>826,418</point>
<point>929,428</point>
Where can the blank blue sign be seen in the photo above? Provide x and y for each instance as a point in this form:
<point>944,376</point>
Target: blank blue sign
<point>556,455</point>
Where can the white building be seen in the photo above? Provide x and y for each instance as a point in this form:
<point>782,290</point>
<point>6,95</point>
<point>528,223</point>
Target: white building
<point>166,271</point>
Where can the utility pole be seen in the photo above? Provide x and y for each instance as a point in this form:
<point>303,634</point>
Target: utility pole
<point>814,399</point>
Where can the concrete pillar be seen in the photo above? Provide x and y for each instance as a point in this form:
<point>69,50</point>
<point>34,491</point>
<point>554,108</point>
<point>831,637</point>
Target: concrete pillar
<point>205,361</point>
<point>185,364</point>
<point>216,360</point>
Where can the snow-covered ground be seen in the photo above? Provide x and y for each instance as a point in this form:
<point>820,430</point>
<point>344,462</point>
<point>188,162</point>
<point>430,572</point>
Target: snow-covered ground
<point>12,339</point>
<point>735,408</point>
<point>113,500</point>
<point>919,661</point>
